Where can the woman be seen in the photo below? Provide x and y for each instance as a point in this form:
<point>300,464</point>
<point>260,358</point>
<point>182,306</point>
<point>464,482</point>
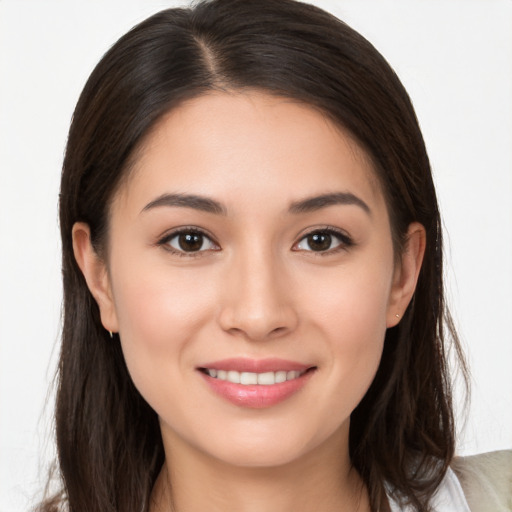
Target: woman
<point>252,259</point>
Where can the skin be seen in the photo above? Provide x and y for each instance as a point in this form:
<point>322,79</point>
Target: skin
<point>256,289</point>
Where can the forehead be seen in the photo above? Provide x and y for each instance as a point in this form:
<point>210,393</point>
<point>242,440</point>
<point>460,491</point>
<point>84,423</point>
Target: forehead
<point>223,144</point>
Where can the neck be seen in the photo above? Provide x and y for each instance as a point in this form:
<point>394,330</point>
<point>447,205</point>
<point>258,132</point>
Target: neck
<point>323,479</point>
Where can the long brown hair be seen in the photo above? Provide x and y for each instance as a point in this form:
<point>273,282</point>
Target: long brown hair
<point>108,438</point>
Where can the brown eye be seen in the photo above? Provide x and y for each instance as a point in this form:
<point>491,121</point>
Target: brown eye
<point>190,241</point>
<point>319,241</point>
<point>324,241</point>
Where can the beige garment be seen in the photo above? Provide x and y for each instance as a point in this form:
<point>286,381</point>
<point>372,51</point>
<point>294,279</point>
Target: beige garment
<point>486,480</point>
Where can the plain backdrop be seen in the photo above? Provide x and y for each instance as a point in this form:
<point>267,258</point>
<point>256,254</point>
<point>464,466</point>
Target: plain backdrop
<point>455,59</point>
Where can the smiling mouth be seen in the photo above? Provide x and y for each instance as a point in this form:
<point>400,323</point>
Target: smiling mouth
<point>251,378</point>
<point>256,384</point>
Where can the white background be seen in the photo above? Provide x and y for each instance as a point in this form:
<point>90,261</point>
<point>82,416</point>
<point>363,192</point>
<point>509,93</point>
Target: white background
<point>455,59</point>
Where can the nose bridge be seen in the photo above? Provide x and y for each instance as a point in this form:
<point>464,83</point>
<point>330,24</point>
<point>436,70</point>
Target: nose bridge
<point>257,301</point>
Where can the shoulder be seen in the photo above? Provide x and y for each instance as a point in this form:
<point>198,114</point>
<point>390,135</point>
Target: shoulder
<point>486,480</point>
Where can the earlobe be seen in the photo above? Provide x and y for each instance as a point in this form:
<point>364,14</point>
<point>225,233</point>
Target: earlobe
<point>95,273</point>
<point>406,273</point>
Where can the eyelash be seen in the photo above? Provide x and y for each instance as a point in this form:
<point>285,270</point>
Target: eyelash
<point>345,242</point>
<point>166,239</point>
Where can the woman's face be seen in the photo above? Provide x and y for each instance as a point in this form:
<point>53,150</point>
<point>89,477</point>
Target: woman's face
<point>250,242</point>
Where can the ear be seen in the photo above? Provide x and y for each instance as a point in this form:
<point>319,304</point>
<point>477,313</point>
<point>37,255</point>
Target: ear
<point>96,275</point>
<point>406,273</point>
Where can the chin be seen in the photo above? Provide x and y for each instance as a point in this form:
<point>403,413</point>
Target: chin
<point>272,447</point>
<point>261,456</point>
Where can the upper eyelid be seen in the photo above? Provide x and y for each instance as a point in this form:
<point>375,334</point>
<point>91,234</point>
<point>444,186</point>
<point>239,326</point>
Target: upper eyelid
<point>168,235</point>
<point>324,229</point>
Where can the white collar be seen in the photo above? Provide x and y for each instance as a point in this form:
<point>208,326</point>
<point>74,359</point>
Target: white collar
<point>449,497</point>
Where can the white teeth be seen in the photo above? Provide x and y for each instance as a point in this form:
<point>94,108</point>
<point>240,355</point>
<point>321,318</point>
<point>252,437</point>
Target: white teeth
<point>250,378</point>
<point>267,378</point>
<point>280,377</point>
<point>233,377</point>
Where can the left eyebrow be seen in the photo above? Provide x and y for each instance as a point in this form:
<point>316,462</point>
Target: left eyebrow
<point>311,204</point>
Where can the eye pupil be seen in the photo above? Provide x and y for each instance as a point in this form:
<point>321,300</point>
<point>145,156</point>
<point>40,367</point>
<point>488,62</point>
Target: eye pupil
<point>319,241</point>
<point>190,242</point>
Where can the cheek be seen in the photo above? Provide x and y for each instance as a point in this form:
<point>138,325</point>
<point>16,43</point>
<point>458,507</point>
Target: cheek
<point>159,311</point>
<point>154,298</point>
<point>348,311</point>
<point>351,303</point>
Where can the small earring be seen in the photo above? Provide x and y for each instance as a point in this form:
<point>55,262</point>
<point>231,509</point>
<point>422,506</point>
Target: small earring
<point>397,315</point>
<point>111,335</point>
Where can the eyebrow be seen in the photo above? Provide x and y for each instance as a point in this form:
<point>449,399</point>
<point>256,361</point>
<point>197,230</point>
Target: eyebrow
<point>311,204</point>
<point>208,205</point>
<point>204,204</point>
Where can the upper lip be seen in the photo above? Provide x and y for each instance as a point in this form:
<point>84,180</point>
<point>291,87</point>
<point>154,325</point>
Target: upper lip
<point>243,364</point>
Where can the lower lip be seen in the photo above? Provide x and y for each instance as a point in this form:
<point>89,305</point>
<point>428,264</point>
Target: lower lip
<point>257,396</point>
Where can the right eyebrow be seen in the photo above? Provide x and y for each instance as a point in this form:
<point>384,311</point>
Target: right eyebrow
<point>311,204</point>
<point>197,202</point>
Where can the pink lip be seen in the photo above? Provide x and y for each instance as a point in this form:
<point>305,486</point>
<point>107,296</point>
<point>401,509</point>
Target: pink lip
<point>256,396</point>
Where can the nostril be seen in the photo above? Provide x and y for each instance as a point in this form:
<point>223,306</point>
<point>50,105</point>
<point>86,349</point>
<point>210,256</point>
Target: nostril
<point>257,320</point>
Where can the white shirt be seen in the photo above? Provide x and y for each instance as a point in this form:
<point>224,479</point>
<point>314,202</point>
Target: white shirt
<point>449,497</point>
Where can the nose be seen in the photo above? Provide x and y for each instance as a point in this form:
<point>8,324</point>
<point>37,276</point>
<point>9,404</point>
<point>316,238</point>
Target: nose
<point>257,302</point>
